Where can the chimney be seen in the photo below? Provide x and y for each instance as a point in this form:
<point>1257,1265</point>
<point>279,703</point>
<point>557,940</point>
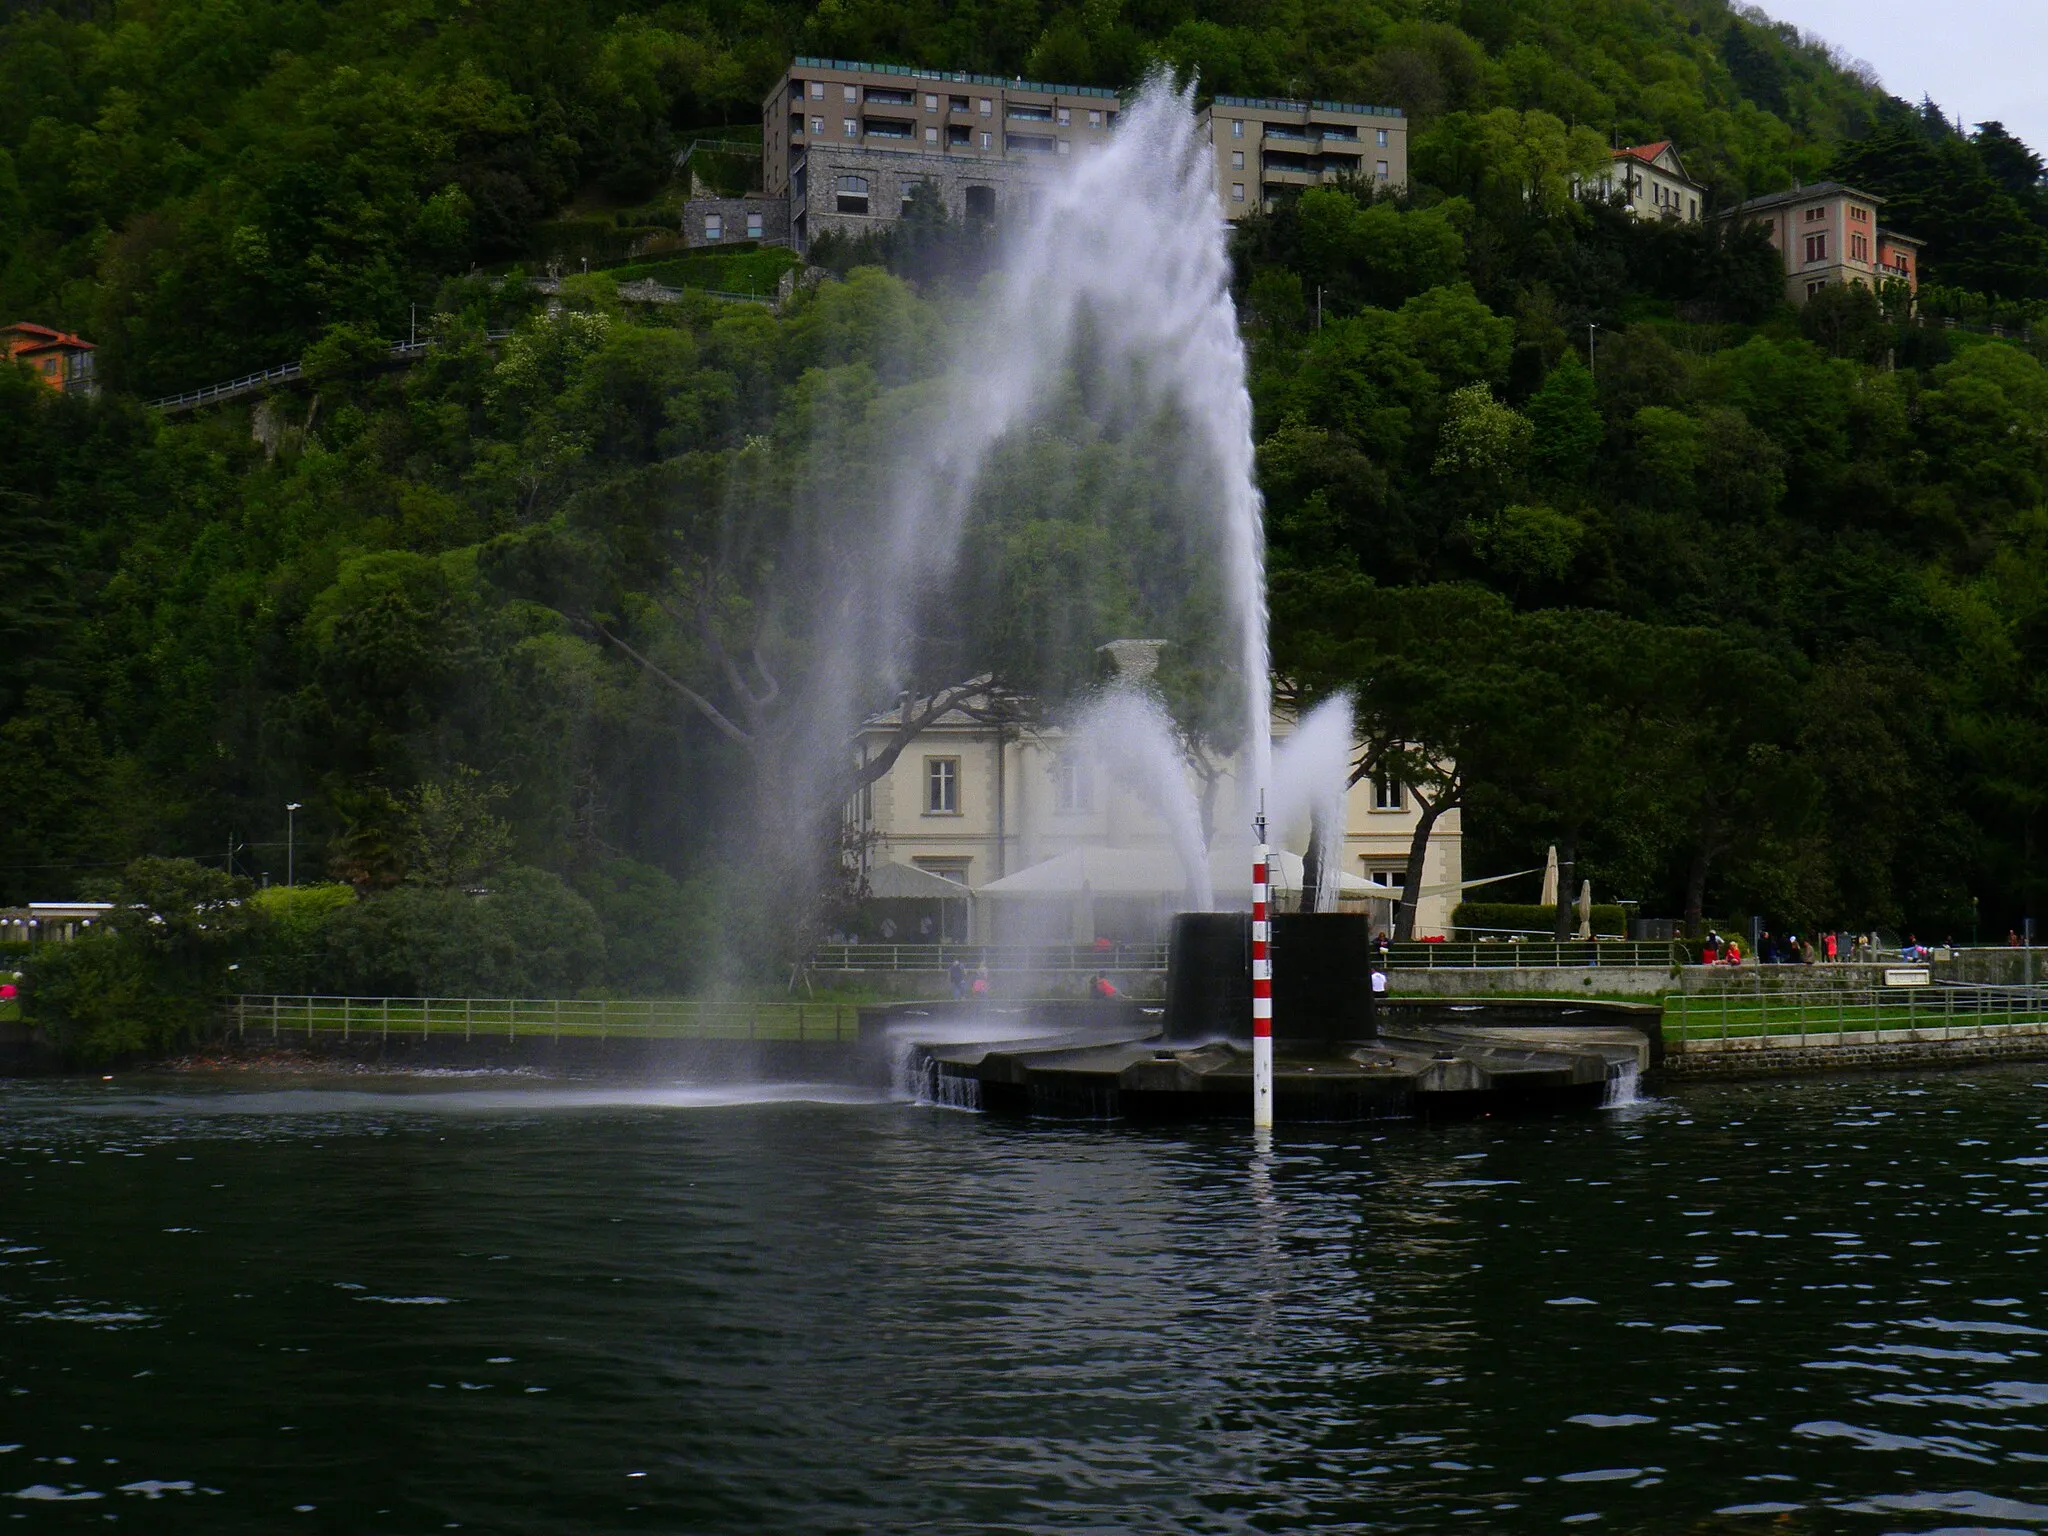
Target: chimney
<point>1134,660</point>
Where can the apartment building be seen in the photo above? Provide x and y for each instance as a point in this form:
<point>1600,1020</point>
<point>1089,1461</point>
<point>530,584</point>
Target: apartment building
<point>1267,148</point>
<point>846,143</point>
<point>1829,233</point>
<point>1653,182</point>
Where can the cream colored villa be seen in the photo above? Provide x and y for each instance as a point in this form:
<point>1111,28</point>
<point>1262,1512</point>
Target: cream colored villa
<point>1653,182</point>
<point>1046,847</point>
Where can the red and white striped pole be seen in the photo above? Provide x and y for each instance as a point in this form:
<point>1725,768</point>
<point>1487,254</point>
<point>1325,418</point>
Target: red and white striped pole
<point>1262,987</point>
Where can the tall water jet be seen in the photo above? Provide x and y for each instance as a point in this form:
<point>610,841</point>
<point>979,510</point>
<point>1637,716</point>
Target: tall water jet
<point>1123,261</point>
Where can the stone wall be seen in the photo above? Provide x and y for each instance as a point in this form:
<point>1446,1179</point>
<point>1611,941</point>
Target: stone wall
<point>1859,1051</point>
<point>814,200</point>
<point>733,213</point>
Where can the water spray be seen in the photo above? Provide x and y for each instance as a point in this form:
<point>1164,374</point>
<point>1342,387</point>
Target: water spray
<point>1262,982</point>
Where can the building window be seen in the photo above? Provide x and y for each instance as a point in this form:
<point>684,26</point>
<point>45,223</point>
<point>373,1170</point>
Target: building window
<point>714,228</point>
<point>1237,127</point>
<point>1380,169</point>
<point>909,191</point>
<point>981,203</point>
<point>954,870</point>
<point>931,103</point>
<point>988,140</point>
<point>1094,118</point>
<point>986,107</point>
<point>1816,247</point>
<point>1393,876</point>
<point>1237,159</point>
<point>853,194</point>
<point>1692,207</point>
<point>1859,247</point>
<point>849,127</point>
<point>1815,215</point>
<point>1813,288</point>
<point>1381,140</point>
<point>1860,215</point>
<point>817,90</point>
<point>1066,116</point>
<point>1387,794</point>
<point>1237,191</point>
<point>1073,787</point>
<point>753,226</point>
<point>957,103</point>
<point>1065,148</point>
<point>852,94</point>
<point>931,135</point>
<point>942,786</point>
<point>817,125</point>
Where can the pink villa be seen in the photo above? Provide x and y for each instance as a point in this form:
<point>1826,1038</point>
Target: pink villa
<point>1829,233</point>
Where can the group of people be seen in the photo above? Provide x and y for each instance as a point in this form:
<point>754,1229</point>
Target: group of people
<point>1827,948</point>
<point>965,986</point>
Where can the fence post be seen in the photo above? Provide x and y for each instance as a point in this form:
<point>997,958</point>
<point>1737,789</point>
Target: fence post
<point>468,1004</point>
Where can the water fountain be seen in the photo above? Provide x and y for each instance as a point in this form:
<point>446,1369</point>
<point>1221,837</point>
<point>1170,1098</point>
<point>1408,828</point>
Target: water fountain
<point>1126,258</point>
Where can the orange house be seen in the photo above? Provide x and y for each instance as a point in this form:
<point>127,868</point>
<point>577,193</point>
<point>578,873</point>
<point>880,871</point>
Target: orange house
<point>61,360</point>
<point>1829,233</point>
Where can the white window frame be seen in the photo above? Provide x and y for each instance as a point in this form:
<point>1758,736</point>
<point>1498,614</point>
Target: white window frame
<point>849,127</point>
<point>1389,794</point>
<point>1237,159</point>
<point>942,786</point>
<point>817,125</point>
<point>1073,787</point>
<point>1237,127</point>
<point>756,226</point>
<point>1237,191</point>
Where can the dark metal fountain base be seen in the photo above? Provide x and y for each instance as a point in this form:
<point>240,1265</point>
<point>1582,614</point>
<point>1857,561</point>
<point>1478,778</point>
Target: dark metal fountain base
<point>1339,1053</point>
<point>1114,1062</point>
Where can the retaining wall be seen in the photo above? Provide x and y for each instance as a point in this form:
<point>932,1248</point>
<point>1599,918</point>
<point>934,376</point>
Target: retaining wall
<point>1857,1051</point>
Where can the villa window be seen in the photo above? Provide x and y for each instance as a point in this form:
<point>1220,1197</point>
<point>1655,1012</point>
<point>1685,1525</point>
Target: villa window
<point>942,786</point>
<point>1393,876</point>
<point>1815,215</point>
<point>1073,787</point>
<point>1816,247</point>
<point>1387,793</point>
<point>853,194</point>
<point>1859,247</point>
<point>954,870</point>
<point>753,226</point>
<point>714,229</point>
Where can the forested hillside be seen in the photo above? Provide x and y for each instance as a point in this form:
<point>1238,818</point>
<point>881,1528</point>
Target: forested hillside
<point>1751,612</point>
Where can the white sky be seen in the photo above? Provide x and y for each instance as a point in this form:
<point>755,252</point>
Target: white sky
<point>1983,59</point>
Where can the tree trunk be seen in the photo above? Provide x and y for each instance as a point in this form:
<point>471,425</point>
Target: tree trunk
<point>1411,880</point>
<point>1696,893</point>
<point>1567,884</point>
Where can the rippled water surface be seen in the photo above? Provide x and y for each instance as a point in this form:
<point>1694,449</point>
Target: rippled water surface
<point>1785,1307</point>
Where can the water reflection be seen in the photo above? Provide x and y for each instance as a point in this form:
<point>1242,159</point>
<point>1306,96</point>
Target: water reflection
<point>1773,1307</point>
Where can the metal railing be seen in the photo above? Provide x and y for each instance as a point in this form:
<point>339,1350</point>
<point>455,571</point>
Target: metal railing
<point>192,399</point>
<point>1546,954</point>
<point>498,1018</point>
<point>1572,955</point>
<point>1783,1020</point>
<point>997,957</point>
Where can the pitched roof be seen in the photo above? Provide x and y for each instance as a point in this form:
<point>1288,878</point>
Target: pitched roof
<point>39,338</point>
<point>1645,152</point>
<point>1819,189</point>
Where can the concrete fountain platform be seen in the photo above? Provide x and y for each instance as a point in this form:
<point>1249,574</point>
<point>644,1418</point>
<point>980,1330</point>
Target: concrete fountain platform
<point>1116,1061</point>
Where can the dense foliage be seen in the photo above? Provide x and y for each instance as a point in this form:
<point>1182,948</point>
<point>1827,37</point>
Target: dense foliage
<point>1741,608</point>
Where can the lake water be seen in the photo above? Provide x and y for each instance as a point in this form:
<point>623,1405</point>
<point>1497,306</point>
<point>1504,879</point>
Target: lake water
<point>500,1306</point>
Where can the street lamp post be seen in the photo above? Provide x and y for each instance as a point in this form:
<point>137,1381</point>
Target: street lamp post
<point>290,829</point>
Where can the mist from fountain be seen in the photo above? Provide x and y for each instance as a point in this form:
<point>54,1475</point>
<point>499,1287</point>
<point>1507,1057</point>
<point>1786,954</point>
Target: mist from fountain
<point>1311,769</point>
<point>1128,733</point>
<point>1125,258</point>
